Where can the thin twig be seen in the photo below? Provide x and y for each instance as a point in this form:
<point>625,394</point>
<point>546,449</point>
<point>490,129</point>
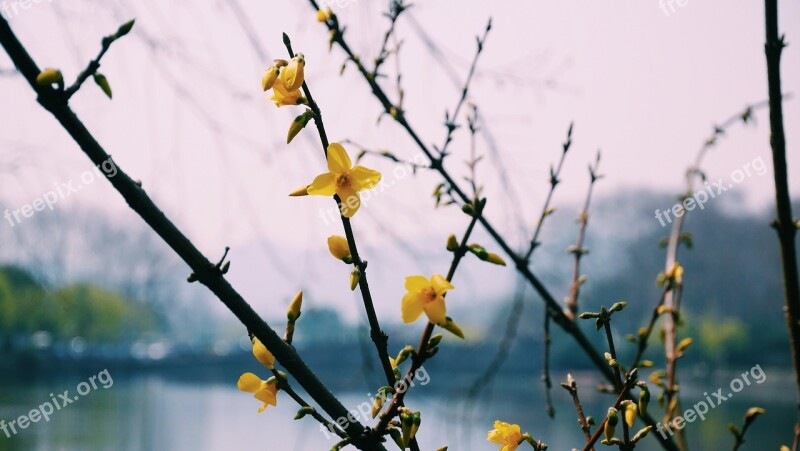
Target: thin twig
<point>380,339</point>
<point>784,224</point>
<point>572,387</point>
<point>578,250</point>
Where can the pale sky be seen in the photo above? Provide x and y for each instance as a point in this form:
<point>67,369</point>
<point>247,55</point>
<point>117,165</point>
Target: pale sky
<point>189,120</point>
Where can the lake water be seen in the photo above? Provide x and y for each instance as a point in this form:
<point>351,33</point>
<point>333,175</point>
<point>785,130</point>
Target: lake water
<point>162,412</point>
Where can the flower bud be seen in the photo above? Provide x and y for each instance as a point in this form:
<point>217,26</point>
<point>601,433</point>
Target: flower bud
<point>338,247</point>
<point>293,74</point>
<point>298,124</point>
<point>102,82</point>
<point>611,424</point>
<point>630,413</point>
<point>452,243</point>
<point>355,277</point>
<point>294,307</point>
<point>496,259</point>
<point>644,400</point>
<point>270,75</point>
<point>49,76</point>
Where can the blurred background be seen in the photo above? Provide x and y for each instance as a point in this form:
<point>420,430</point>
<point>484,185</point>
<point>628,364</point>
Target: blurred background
<point>86,286</point>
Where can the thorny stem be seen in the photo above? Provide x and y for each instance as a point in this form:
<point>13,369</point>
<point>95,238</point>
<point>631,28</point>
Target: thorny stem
<point>784,223</point>
<point>522,266</point>
<point>378,336</point>
<point>205,271</point>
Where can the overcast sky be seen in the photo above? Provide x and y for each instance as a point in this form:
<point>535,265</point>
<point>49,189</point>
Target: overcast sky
<point>189,120</point>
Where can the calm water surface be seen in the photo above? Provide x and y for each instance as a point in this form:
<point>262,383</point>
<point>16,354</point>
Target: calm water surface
<point>158,412</point>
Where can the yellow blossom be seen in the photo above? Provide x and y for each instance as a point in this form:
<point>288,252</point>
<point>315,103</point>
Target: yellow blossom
<point>425,295</point>
<point>343,179</point>
<point>262,354</point>
<point>264,391</point>
<point>292,74</point>
<point>282,96</point>
<point>508,435</point>
<point>270,75</point>
<point>338,247</point>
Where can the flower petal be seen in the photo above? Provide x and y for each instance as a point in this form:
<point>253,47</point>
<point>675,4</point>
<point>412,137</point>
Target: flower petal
<point>411,308</point>
<point>436,311</point>
<point>262,354</point>
<point>350,201</point>
<point>364,178</point>
<point>267,395</point>
<point>249,382</point>
<point>440,284</point>
<point>415,284</point>
<point>338,160</point>
<point>323,185</point>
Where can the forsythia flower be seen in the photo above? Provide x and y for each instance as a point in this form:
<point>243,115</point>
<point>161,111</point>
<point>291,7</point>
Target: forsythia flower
<point>343,179</point>
<point>338,247</point>
<point>508,435</point>
<point>425,295</point>
<point>264,391</point>
<point>283,96</point>
<point>292,74</point>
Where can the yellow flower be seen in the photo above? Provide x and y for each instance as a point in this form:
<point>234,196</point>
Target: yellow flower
<point>282,96</point>
<point>292,74</point>
<point>262,354</point>
<point>264,391</point>
<point>270,75</point>
<point>324,14</point>
<point>508,435</point>
<point>338,247</point>
<point>343,179</point>
<point>425,295</point>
